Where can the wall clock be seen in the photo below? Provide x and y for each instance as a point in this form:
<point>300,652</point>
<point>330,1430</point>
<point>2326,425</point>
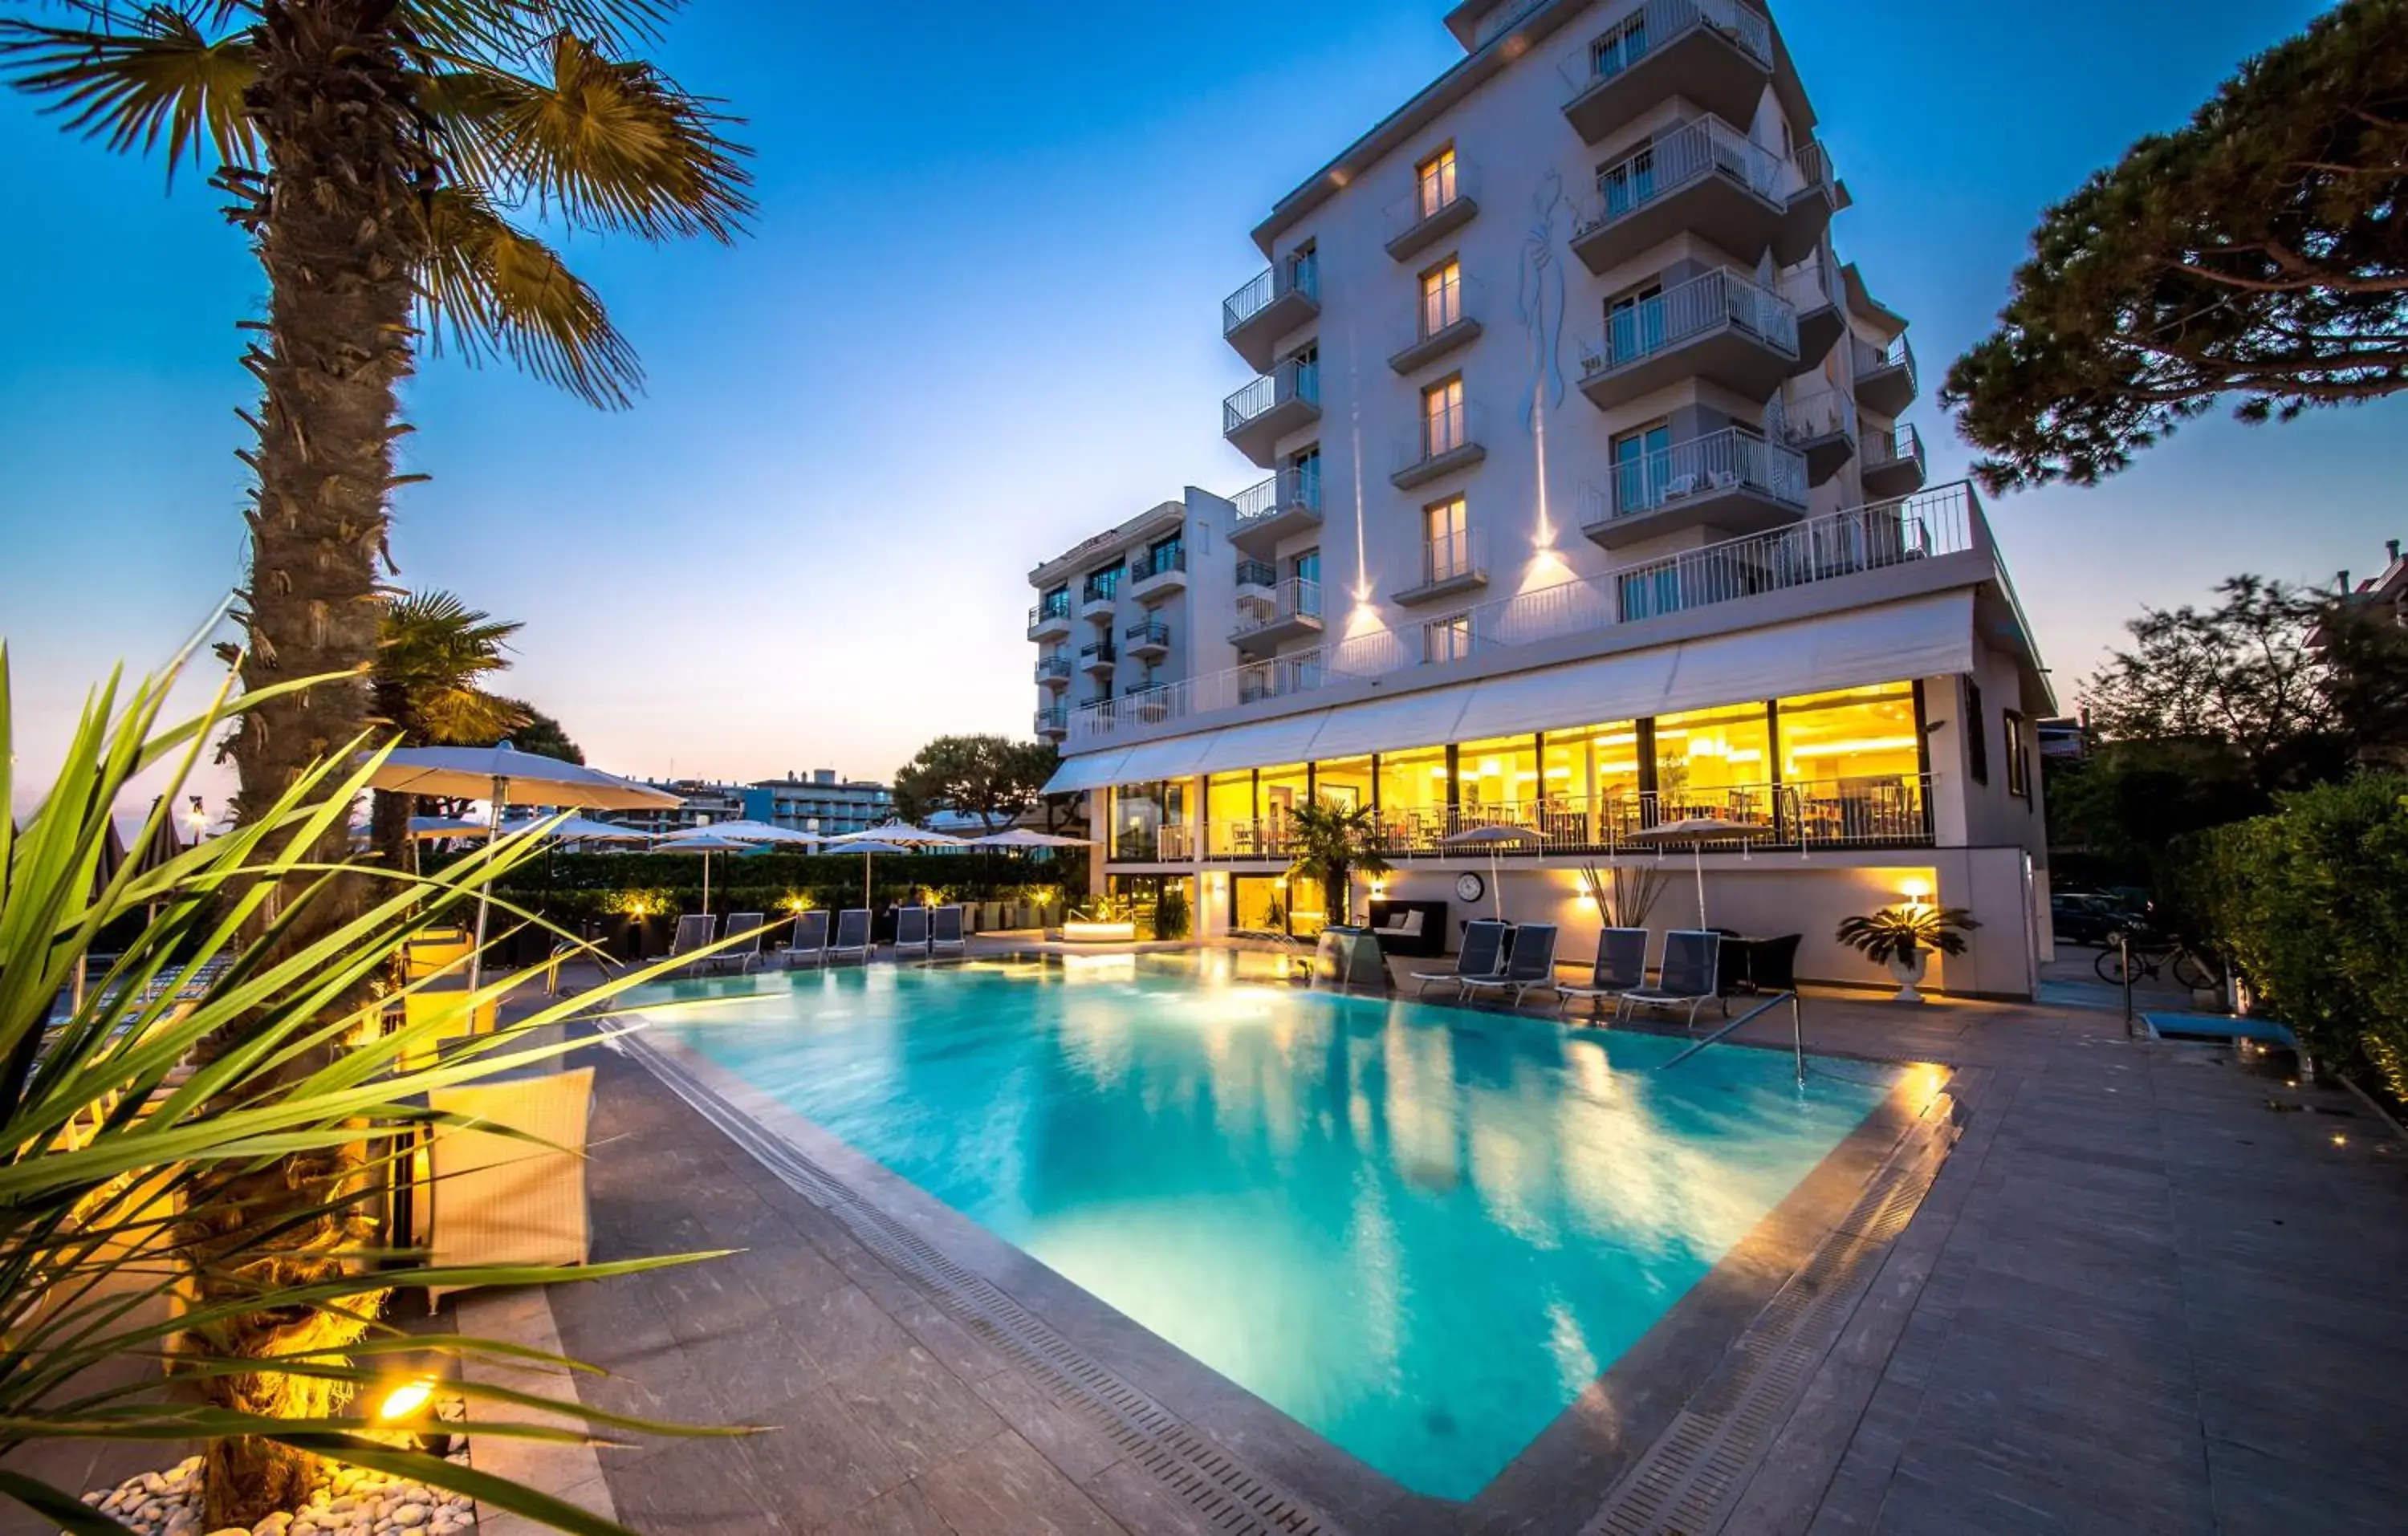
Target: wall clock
<point>1470,887</point>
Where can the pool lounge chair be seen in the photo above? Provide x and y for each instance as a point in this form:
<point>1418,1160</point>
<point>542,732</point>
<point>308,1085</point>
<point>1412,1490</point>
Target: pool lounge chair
<point>810,946</point>
<point>945,932</point>
<point>910,931</point>
<point>1530,968</point>
<point>1621,966</point>
<point>1484,945</point>
<point>853,942</point>
<point>1687,979</point>
<point>515,1195</point>
<point>744,954</point>
<point>695,932</point>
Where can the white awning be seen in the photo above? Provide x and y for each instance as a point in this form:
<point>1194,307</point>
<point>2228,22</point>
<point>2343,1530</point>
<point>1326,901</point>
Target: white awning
<point>1409,720</point>
<point>1174,758</point>
<point>1088,770</point>
<point>1260,745</point>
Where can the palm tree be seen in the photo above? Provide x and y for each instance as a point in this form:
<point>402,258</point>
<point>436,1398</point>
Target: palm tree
<point>1331,841</point>
<point>432,654</point>
<point>374,153</point>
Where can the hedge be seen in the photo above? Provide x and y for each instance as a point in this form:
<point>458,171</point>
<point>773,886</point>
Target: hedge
<point>571,887</point>
<point>2309,907</point>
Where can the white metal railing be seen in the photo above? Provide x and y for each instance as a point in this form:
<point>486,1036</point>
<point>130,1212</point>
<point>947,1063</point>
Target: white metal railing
<point>1680,159</point>
<point>1054,722</point>
<point>1805,286</point>
<point>1450,556</point>
<point>1823,414</point>
<point>1159,562</point>
<point>1294,598</point>
<point>1944,520</point>
<point>1438,433</point>
<point>1295,275</point>
<point>1296,486</point>
<point>1872,359</point>
<point>1885,446</point>
<point>1694,309</point>
<point>1052,608</point>
<point>1053,667</point>
<point>1432,196</point>
<point>1604,55</point>
<point>1293,379</point>
<point>1256,573</point>
<point>1809,167</point>
<point>1719,461</point>
<point>1439,307</point>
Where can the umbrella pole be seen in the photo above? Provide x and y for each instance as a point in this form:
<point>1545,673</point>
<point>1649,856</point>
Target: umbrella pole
<point>865,882</point>
<point>484,889</point>
<point>706,882</point>
<point>1698,857</point>
<point>1495,884</point>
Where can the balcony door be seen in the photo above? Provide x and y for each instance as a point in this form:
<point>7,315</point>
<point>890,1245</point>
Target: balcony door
<point>1305,570</point>
<point>1628,185</point>
<point>1446,541</point>
<point>1641,462</point>
<point>1443,419</point>
<point>1634,325</point>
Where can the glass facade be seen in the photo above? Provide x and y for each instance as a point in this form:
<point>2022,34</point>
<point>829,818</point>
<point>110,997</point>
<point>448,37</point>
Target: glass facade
<point>1713,763</point>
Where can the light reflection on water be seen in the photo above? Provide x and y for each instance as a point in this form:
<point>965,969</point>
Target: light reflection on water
<point>1417,1229</point>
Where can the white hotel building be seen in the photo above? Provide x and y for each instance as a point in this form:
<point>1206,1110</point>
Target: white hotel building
<point>1587,504</point>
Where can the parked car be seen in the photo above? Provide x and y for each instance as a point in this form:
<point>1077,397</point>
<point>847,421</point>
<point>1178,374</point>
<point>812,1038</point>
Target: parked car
<point>2085,917</point>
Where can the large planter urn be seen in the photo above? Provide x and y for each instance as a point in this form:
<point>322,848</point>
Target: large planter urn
<point>1907,971</point>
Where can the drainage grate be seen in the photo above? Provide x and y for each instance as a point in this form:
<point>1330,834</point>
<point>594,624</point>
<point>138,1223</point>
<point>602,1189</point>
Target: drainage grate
<point>1682,1486</point>
<point>1231,1496</point>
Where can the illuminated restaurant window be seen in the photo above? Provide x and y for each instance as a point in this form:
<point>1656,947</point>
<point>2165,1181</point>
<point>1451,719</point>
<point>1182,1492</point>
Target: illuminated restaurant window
<point>1413,795</point>
<point>1344,781</point>
<point>1853,733</point>
<point>1278,791</point>
<point>1498,780</point>
<point>1229,810</point>
<point>1713,763</point>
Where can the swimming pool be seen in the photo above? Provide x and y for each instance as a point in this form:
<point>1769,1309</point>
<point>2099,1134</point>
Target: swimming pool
<point>1420,1231</point>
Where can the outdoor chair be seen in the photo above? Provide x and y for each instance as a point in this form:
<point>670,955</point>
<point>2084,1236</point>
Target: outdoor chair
<point>1530,968</point>
<point>695,932</point>
<point>810,944</point>
<point>458,1021</point>
<point>746,954</point>
<point>1687,979</point>
<point>1621,966</point>
<point>1773,963</point>
<point>945,932</point>
<point>515,1195</point>
<point>910,931</point>
<point>1484,946</point>
<point>853,940</point>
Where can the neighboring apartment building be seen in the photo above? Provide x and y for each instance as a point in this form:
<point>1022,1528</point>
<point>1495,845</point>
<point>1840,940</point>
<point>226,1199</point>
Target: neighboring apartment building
<point>702,802</point>
<point>821,803</point>
<point>1587,506</point>
<point>1127,613</point>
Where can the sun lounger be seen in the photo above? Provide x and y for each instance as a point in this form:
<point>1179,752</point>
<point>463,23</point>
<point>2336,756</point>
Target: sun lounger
<point>743,955</point>
<point>1484,943</point>
<point>495,1200</point>
<point>945,935</point>
<point>852,940</point>
<point>810,947</point>
<point>1621,966</point>
<point>910,931</point>
<point>1531,967</point>
<point>1687,979</point>
<point>695,932</point>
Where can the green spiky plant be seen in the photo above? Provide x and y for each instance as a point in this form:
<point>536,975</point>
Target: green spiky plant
<point>1330,843</point>
<point>1900,933</point>
<point>116,1129</point>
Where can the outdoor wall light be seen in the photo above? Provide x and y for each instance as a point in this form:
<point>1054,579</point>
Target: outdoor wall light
<point>410,1410</point>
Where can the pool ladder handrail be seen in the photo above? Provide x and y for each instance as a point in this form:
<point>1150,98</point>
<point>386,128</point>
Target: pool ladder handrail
<point>1797,1031</point>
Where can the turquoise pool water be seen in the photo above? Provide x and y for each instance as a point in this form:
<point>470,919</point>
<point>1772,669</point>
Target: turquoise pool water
<point>1419,1229</point>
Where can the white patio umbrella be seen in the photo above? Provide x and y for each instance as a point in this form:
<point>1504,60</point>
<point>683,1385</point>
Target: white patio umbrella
<point>856,843</point>
<point>1493,839</point>
<point>1020,837</point>
<point>584,829</point>
<point>1698,831</point>
<point>902,835</point>
<point>705,840</point>
<point>505,777</point>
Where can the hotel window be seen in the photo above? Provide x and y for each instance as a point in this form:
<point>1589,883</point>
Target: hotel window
<point>1344,783</point>
<point>1165,555</point>
<point>1497,780</point>
<point>1303,487</point>
<point>1634,325</point>
<point>1714,762</point>
<point>1434,182</point>
<point>1642,462</point>
<point>1441,296</point>
<point>1852,734</point>
<point>1413,797</point>
<point>1619,48</point>
<point>1629,183</point>
<point>1304,270</point>
<point>2018,760</point>
<point>1591,775</point>
<point>1056,603</point>
<point>1103,583</point>
<point>1443,428</point>
<point>1229,811</point>
<point>1446,541</point>
<point>1446,640</point>
<point>1278,791</point>
<point>1977,739</point>
<point>1140,813</point>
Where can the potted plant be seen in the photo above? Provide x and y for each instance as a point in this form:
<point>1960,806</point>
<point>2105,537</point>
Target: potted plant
<point>1901,938</point>
<point>1331,841</point>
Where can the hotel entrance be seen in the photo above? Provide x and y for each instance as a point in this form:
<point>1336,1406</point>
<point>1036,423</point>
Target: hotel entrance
<point>1278,904</point>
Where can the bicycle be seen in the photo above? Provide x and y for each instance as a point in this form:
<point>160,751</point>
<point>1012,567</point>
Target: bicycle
<point>2150,956</point>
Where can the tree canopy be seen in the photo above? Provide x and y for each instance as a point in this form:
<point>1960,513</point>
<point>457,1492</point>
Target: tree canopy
<point>993,778</point>
<point>2261,251</point>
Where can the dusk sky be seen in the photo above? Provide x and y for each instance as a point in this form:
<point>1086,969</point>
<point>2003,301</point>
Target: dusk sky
<point>977,320</point>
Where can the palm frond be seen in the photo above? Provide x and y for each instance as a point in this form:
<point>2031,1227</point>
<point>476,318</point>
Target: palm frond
<point>606,143</point>
<point>515,30</point>
<point>491,290</point>
<point>160,74</point>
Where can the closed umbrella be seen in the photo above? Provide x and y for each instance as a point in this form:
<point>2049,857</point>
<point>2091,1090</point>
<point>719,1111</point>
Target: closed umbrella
<point>505,777</point>
<point>703,840</point>
<point>1698,831</point>
<point>1494,839</point>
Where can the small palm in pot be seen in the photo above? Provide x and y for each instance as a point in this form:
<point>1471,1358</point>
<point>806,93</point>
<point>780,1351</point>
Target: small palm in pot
<point>1899,938</point>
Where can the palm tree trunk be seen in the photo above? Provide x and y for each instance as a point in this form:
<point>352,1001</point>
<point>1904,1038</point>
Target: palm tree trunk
<point>335,227</point>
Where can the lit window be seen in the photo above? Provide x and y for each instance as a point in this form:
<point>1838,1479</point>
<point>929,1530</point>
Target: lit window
<point>1446,640</point>
<point>1854,734</point>
<point>1441,298</point>
<point>1434,182</point>
<point>2018,760</point>
<point>1443,419</point>
<point>1446,547</point>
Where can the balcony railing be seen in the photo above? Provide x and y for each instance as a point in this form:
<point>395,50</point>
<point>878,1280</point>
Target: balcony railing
<point>1439,434</point>
<point>1150,632</point>
<point>1828,414</point>
<point>1290,487</point>
<point>1256,573</point>
<point>1053,722</point>
<point>1450,193</point>
<point>1720,461</point>
<point>1292,379</point>
<point>1942,521</point>
<point>1159,562</point>
<point>1053,667</point>
<point>1055,606</point>
<point>1655,26</point>
<point>1294,598</point>
<point>1892,446</point>
<point>1171,843</point>
<point>1876,812</point>
<point>1438,311</point>
<point>1678,315</point>
<point>1899,354</point>
<point>1453,556</point>
<point>1679,159</point>
<point>1099,651</point>
<point>1296,275</point>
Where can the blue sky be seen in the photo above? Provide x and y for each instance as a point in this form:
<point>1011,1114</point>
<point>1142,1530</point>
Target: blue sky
<point>978,320</point>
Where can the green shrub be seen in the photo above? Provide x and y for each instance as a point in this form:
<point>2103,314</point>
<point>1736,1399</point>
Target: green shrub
<point>2309,907</point>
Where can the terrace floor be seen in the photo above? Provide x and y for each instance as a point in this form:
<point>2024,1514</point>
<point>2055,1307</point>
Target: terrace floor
<point>2153,1287</point>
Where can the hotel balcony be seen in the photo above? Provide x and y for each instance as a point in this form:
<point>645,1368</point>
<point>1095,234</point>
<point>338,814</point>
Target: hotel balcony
<point>1451,564</point>
<point>1436,324</point>
<point>1894,465</point>
<point>1277,301</point>
<point>1096,602</point>
<point>1715,54</point>
<point>1291,610</point>
<point>1158,573</point>
<point>1053,672</point>
<point>1437,206</point>
<point>1729,480</point>
<point>1271,509</point>
<point>1438,445</point>
<point>1824,429</point>
<point>1257,582</point>
<point>1149,640</point>
<point>1710,178</point>
<point>1282,401</point>
<point>1820,324</point>
<point>1096,657</point>
<point>1719,327</point>
<point>1886,383</point>
<point>1050,619</point>
<point>1053,724</point>
<point>1148,704</point>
